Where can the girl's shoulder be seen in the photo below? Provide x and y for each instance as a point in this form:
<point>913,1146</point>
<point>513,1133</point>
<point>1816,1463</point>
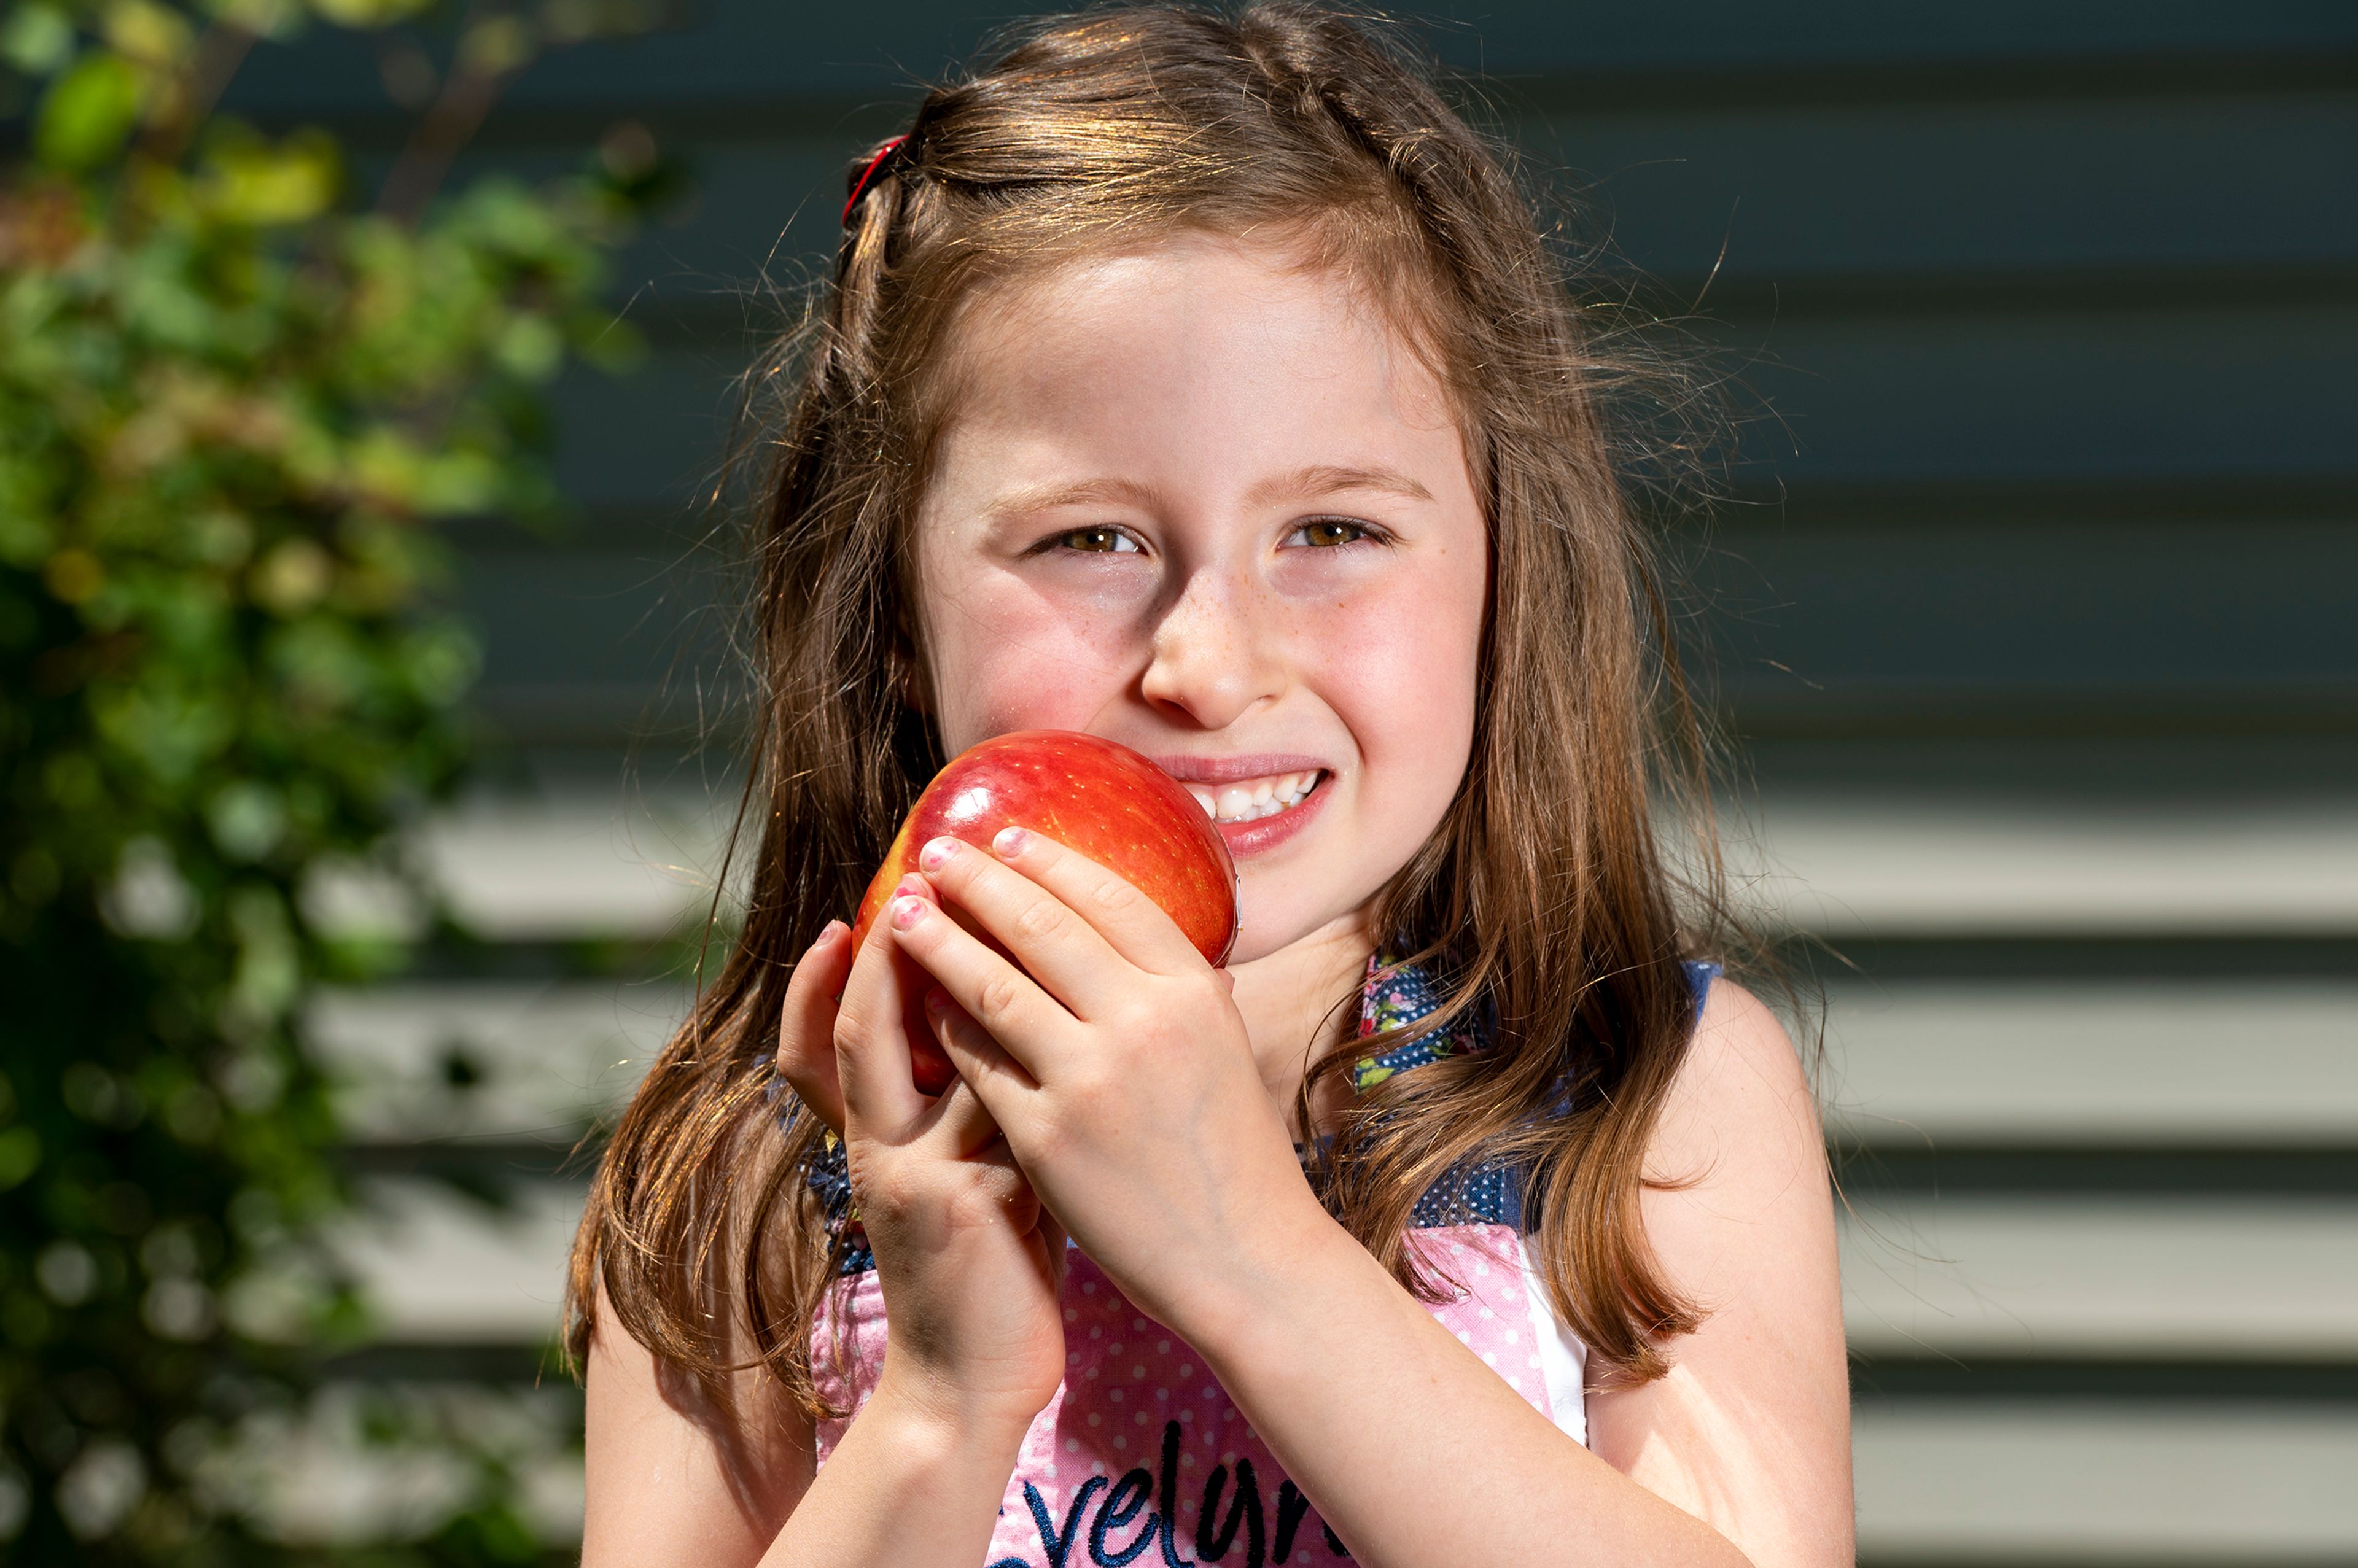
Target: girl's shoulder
<point>1736,1033</point>
<point>1741,1072</point>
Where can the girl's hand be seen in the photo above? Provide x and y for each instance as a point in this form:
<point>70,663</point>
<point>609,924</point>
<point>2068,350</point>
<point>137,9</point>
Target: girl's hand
<point>1118,1065</point>
<point>970,1262</point>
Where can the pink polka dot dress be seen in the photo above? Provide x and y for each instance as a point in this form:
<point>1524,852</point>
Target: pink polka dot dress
<point>1140,1457</point>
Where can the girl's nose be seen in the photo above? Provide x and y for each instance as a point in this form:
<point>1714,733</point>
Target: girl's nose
<point>1215,651</point>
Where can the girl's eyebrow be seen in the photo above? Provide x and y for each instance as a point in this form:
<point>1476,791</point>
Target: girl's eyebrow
<point>1325,479</point>
<point>1034,498</point>
<point>1319,479</point>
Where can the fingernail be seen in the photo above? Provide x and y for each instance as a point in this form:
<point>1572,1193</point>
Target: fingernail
<point>936,853</point>
<point>827,934</point>
<point>907,912</point>
<point>1012,842</point>
<point>912,884</point>
<point>937,999</point>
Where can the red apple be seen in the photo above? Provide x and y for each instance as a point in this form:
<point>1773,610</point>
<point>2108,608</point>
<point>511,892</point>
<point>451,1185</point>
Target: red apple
<point>1097,799</point>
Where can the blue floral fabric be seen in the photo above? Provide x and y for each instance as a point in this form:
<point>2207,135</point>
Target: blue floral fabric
<point>1397,995</point>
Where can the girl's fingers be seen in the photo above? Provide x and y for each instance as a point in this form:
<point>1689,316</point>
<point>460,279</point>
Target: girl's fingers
<point>871,1046</point>
<point>1132,924</point>
<point>961,1125</point>
<point>995,1081</point>
<point>806,1024</point>
<point>1062,951</point>
<point>997,995</point>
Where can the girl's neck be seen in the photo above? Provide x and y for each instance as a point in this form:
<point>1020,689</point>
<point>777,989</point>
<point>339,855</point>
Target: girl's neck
<point>1288,1001</point>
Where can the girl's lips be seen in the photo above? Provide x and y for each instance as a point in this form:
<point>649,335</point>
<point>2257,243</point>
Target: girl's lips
<point>1262,834</point>
<point>1217,770</point>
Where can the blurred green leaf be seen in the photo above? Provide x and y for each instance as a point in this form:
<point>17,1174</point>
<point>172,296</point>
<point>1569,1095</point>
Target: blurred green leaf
<point>497,44</point>
<point>246,179</point>
<point>369,13</point>
<point>262,18</point>
<point>154,35</point>
<point>36,39</point>
<point>89,113</point>
<point>20,1155</point>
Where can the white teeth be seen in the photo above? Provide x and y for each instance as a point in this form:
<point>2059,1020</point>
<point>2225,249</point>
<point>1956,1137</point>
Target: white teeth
<point>1249,802</point>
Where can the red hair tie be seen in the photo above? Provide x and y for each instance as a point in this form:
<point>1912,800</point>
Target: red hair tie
<point>859,185</point>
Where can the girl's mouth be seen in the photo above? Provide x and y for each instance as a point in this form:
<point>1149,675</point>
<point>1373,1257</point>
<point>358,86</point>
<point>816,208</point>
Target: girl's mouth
<point>1255,812</point>
<point>1250,800</point>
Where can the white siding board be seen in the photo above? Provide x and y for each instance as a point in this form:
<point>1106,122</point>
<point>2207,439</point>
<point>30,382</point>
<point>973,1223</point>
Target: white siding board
<point>2166,1484</point>
<point>2075,1062</point>
<point>550,1056</point>
<point>1888,866</point>
<point>550,868</point>
<point>2208,1278</point>
<point>438,1267</point>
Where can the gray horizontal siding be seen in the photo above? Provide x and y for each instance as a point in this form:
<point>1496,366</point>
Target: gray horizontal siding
<point>2180,1064</point>
<point>746,49</point>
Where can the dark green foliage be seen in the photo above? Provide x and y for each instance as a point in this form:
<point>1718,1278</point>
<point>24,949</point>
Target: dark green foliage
<point>232,407</point>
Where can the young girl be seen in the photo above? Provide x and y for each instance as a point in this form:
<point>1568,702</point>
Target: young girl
<point>1204,382</point>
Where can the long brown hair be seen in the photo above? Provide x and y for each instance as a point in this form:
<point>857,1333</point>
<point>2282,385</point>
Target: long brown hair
<point>1543,898</point>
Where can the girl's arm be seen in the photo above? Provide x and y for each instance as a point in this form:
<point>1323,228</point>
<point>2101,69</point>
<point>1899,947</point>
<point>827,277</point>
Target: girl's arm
<point>1409,1445</point>
<point>673,1480</point>
<point>1750,1429</point>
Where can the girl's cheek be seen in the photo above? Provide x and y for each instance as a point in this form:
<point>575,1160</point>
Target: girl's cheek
<point>1009,655</point>
<point>1387,674</point>
<point>1425,615</point>
<point>1397,657</point>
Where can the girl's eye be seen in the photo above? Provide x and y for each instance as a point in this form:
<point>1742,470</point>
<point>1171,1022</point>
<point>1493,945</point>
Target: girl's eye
<point>1096,541</point>
<point>1324,533</point>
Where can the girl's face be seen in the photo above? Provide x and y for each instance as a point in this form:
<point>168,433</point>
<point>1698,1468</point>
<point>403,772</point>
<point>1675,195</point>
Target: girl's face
<point>1205,501</point>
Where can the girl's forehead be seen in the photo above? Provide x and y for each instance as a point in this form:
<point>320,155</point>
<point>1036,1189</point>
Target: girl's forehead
<point>1188,325</point>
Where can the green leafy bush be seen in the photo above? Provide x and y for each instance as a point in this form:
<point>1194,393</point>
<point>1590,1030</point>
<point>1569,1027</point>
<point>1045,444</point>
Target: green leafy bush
<point>234,402</point>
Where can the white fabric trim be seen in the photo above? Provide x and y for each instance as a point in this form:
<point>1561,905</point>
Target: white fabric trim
<point>1564,1359</point>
